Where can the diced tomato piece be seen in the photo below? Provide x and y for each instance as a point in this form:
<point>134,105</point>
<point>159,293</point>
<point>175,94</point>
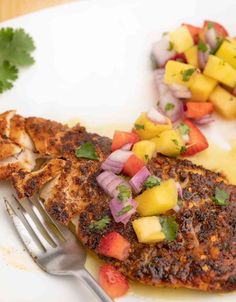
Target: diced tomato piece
<point>122,138</point>
<point>194,31</point>
<point>112,281</point>
<point>180,57</point>
<point>218,27</point>
<point>114,245</point>
<point>133,165</point>
<point>197,141</point>
<point>197,110</point>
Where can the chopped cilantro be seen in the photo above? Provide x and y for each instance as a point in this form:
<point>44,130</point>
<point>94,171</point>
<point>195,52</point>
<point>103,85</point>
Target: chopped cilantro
<point>210,25</point>
<point>169,106</point>
<point>175,142</point>
<point>202,46</point>
<point>171,46</point>
<point>100,224</point>
<point>184,129</point>
<point>221,197</point>
<point>87,150</point>
<point>183,149</point>
<point>125,210</point>
<point>138,127</point>
<point>124,192</point>
<point>151,182</point>
<point>169,227</point>
<point>186,74</point>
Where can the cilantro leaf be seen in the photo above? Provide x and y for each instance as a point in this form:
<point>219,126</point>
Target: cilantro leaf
<point>221,197</point>
<point>175,142</point>
<point>15,47</point>
<point>202,46</point>
<point>183,149</point>
<point>124,192</point>
<point>138,127</point>
<point>184,129</point>
<point>186,74</point>
<point>8,74</point>
<point>169,106</point>
<point>151,182</point>
<point>125,210</point>
<point>169,227</point>
<point>87,150</point>
<point>100,224</point>
<point>171,46</point>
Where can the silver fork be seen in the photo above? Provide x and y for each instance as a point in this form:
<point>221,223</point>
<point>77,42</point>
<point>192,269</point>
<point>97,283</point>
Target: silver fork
<point>53,247</point>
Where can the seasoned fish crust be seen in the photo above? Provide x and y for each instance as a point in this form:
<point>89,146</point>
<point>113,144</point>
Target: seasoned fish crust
<point>203,256</point>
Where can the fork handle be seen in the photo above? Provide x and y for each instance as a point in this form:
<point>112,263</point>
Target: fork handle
<point>92,284</point>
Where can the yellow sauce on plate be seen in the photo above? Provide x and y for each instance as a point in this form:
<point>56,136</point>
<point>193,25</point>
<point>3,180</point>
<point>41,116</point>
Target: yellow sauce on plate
<point>214,158</point>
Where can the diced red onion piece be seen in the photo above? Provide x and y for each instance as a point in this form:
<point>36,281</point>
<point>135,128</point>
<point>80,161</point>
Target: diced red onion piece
<point>108,181</point>
<point>156,117</point>
<point>120,155</point>
<point>116,206</point>
<point>113,166</point>
<point>179,189</point>
<point>161,52</point>
<point>180,91</point>
<point>205,120</point>
<point>138,179</point>
<point>211,37</point>
<point>127,147</point>
<point>174,113</point>
<point>176,208</point>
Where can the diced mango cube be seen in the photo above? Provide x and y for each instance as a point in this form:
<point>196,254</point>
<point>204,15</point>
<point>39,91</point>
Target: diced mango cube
<point>180,73</point>
<point>191,55</point>
<point>158,199</point>
<point>146,129</point>
<point>227,52</point>
<point>220,70</point>
<point>169,142</point>
<point>201,87</point>
<point>181,39</point>
<point>144,150</point>
<point>148,229</point>
<point>224,102</point>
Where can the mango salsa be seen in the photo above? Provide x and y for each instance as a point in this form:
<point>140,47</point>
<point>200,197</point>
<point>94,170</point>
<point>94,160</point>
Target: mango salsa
<point>146,129</point>
<point>191,55</point>
<point>227,52</point>
<point>180,73</point>
<point>224,102</point>
<point>169,142</point>
<point>220,70</point>
<point>158,199</point>
<point>201,87</point>
<point>148,229</point>
<point>181,39</point>
<point>144,150</point>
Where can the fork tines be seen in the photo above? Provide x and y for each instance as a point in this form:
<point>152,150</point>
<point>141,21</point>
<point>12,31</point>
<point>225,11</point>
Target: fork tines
<point>35,227</point>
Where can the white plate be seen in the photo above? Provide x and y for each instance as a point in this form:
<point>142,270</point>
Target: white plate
<point>92,63</point>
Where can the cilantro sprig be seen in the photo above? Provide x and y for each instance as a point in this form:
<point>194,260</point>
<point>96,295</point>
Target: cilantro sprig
<point>151,182</point>
<point>100,224</point>
<point>87,150</point>
<point>221,197</point>
<point>169,227</point>
<point>15,51</point>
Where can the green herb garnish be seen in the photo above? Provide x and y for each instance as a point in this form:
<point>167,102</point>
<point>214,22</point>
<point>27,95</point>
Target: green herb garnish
<point>202,46</point>
<point>186,74</point>
<point>151,182</point>
<point>15,49</point>
<point>171,46</point>
<point>169,227</point>
<point>125,210</point>
<point>183,149</point>
<point>124,192</point>
<point>169,106</point>
<point>175,142</point>
<point>184,129</point>
<point>221,197</point>
<point>87,150</point>
<point>138,127</point>
<point>100,224</point>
